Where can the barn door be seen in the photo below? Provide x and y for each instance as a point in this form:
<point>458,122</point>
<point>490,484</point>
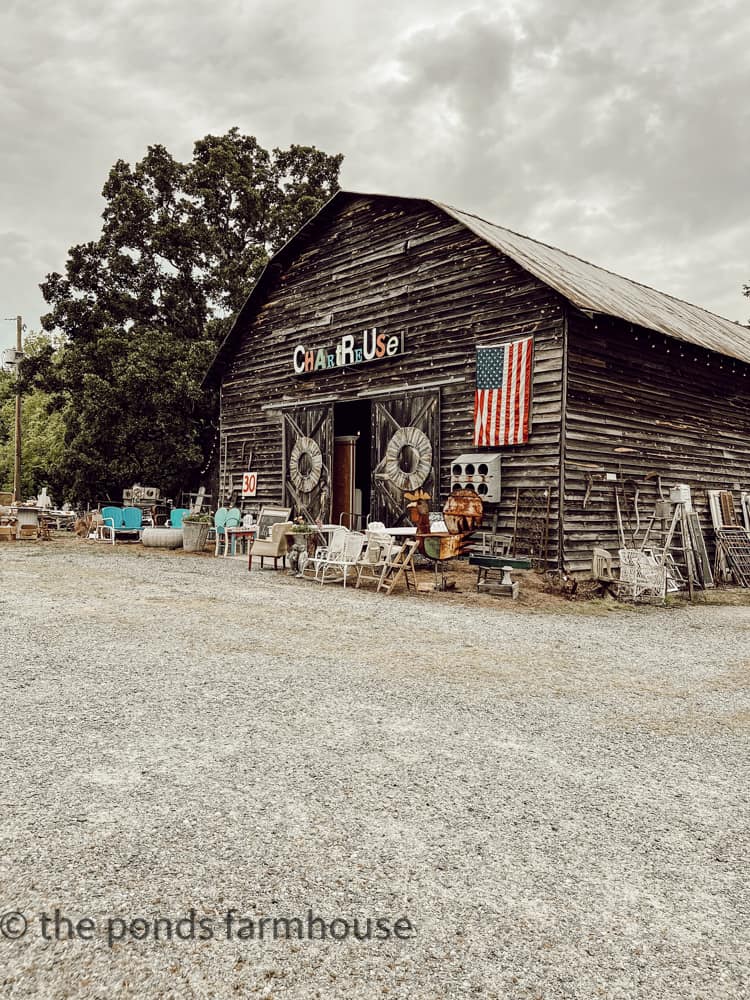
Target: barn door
<point>308,452</point>
<point>405,452</point>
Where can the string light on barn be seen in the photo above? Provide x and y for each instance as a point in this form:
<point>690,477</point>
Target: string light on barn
<point>209,460</point>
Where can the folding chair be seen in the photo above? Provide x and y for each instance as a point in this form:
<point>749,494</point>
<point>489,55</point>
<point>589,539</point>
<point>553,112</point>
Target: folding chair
<point>400,565</point>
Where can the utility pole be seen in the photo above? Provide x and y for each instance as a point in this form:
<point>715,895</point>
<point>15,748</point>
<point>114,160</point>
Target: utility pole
<point>17,464</point>
<point>11,360</point>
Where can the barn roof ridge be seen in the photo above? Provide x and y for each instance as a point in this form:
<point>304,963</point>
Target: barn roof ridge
<point>453,210</point>
<point>589,287</point>
<point>595,289</point>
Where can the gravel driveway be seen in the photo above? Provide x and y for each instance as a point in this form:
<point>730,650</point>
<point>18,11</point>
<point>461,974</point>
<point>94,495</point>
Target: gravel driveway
<point>533,804</point>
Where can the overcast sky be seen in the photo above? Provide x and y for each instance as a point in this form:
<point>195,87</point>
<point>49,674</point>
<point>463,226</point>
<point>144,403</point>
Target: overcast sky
<point>616,131</point>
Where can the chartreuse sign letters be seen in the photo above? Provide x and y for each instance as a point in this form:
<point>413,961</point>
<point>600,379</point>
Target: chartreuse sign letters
<point>371,345</point>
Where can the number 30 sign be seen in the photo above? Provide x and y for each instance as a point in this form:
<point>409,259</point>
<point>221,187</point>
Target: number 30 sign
<point>249,484</point>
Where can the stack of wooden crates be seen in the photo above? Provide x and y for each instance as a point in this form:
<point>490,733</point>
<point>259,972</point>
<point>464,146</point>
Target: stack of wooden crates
<point>7,524</point>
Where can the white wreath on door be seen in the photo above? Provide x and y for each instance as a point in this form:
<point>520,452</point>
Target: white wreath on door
<point>305,448</point>
<point>419,443</point>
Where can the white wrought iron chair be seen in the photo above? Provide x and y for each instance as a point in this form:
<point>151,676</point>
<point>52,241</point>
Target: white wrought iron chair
<point>324,553</point>
<point>341,556</point>
<point>376,555</point>
<point>352,553</point>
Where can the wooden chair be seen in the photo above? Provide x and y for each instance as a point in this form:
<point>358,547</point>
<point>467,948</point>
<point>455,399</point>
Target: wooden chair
<point>601,565</point>
<point>400,565</point>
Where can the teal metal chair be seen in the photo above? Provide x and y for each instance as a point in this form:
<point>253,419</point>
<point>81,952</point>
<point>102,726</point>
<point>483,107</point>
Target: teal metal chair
<point>175,518</point>
<point>225,518</point>
<point>118,522</point>
<point>111,523</point>
<point>132,518</point>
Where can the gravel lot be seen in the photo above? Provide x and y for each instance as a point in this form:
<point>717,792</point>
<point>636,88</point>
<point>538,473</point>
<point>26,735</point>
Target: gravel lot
<point>557,801</point>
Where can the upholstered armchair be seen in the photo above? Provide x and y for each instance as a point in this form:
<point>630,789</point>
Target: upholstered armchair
<point>273,547</point>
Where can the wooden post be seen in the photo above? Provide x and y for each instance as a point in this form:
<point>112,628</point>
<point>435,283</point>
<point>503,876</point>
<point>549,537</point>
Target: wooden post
<point>687,544</point>
<point>17,461</point>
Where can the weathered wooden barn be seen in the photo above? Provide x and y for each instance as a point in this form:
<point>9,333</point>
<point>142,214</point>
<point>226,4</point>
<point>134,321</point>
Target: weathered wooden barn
<point>358,345</point>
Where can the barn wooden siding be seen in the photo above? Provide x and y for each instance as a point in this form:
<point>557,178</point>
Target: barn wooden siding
<point>640,403</point>
<point>399,266</point>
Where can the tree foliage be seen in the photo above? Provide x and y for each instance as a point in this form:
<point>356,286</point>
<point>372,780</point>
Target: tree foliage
<point>41,427</point>
<point>142,309</point>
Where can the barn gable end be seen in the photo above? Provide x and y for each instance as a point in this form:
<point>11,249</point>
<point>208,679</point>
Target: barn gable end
<point>402,267</point>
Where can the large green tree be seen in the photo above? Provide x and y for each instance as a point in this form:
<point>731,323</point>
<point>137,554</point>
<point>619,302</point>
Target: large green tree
<point>142,309</point>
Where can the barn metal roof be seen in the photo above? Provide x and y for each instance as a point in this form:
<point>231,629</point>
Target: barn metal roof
<point>593,289</point>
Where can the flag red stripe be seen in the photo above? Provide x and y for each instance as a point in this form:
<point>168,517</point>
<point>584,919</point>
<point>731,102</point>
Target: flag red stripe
<point>507,389</point>
<point>517,402</point>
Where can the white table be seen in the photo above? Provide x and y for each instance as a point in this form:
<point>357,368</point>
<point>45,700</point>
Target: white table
<point>402,532</point>
<point>325,531</point>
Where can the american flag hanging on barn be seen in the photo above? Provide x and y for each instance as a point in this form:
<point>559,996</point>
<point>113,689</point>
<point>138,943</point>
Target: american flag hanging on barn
<point>503,396</point>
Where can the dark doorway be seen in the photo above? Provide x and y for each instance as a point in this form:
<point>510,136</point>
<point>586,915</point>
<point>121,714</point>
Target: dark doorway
<point>351,472</point>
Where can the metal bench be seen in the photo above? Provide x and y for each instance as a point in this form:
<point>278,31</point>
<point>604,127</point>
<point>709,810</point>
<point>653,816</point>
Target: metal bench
<point>490,576</point>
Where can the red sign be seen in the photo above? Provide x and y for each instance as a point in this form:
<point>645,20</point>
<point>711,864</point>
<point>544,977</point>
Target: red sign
<point>249,484</point>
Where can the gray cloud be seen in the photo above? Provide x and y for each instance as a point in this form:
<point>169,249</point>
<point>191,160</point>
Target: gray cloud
<point>619,133</point>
